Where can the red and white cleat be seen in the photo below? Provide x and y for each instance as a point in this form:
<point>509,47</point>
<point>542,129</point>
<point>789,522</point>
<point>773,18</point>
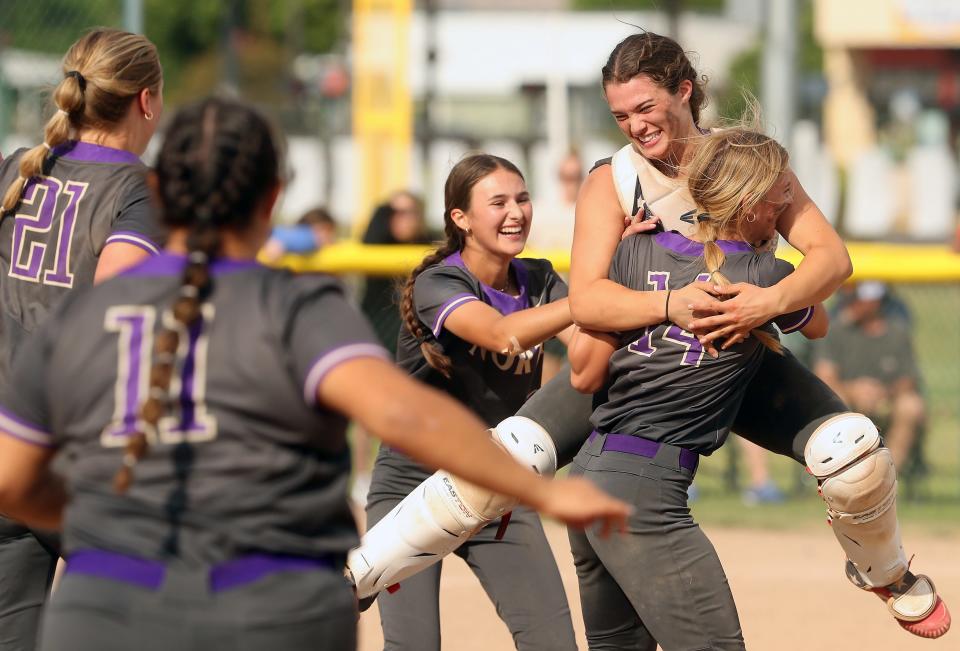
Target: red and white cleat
<point>914,603</point>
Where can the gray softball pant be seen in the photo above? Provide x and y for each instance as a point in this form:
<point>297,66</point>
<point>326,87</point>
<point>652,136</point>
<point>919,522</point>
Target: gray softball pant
<point>300,610</point>
<point>27,564</point>
<point>661,582</point>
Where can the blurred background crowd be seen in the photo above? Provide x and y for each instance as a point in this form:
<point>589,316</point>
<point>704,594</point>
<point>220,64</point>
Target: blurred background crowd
<point>377,99</point>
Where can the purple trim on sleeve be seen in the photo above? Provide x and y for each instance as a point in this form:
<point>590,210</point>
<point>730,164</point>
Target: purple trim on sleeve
<point>333,358</point>
<point>91,153</point>
<point>447,309</point>
<point>23,430</point>
<point>501,301</point>
<point>677,243</point>
<point>786,322</point>
<point>136,239</point>
<point>169,264</point>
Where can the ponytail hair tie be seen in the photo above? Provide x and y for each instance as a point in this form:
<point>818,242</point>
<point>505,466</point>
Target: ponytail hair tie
<point>60,111</point>
<point>80,79</point>
<point>46,146</point>
<point>704,217</point>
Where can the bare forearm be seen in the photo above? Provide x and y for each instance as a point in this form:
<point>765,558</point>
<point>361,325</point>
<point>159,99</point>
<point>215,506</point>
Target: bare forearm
<point>606,306</point>
<point>534,326</point>
<point>40,506</point>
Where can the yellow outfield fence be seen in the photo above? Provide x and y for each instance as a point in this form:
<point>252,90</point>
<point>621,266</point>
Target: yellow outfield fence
<point>896,263</point>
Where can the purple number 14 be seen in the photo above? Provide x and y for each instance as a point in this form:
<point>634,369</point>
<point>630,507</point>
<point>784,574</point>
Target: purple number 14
<point>27,254</point>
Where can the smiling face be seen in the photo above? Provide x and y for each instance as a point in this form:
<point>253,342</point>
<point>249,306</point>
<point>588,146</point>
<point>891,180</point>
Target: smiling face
<point>658,123</point>
<point>767,211</point>
<point>499,216</point>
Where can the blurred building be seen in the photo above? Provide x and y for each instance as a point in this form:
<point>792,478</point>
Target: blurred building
<point>521,83</point>
<point>892,113</point>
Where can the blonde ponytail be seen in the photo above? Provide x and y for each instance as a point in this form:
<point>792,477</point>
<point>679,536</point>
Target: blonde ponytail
<point>102,73</point>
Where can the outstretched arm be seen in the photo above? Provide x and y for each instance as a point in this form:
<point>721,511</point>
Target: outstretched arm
<point>484,326</point>
<point>29,491</point>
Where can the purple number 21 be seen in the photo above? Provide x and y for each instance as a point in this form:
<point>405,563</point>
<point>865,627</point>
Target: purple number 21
<point>27,257</point>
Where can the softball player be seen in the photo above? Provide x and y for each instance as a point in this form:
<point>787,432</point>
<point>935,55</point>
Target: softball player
<point>656,96</point>
<point>668,402</point>
<point>200,400</point>
<point>475,317</point>
<point>74,209</point>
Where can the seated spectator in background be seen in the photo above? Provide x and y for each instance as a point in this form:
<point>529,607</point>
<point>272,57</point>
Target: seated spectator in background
<point>553,228</point>
<point>313,231</point>
<point>868,359</point>
<point>398,221</point>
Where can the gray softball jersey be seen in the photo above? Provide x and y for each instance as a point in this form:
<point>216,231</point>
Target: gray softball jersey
<point>246,462</point>
<point>89,196</point>
<point>662,384</point>
<point>492,385</point>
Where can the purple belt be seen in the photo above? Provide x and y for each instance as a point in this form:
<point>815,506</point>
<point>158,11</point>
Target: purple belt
<point>150,573</point>
<point>645,448</point>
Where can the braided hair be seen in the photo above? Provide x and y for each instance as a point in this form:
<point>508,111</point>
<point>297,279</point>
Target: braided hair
<point>219,159</point>
<point>730,172</point>
<point>456,194</point>
<point>103,72</point>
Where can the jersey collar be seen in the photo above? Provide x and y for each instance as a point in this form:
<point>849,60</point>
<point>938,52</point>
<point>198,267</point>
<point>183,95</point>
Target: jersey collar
<point>677,243</point>
<point>89,152</point>
<point>503,302</point>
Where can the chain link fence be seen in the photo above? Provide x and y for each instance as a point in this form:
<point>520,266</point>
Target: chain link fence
<point>34,35</point>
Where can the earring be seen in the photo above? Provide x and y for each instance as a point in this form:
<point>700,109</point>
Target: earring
<point>148,115</point>
<point>749,220</point>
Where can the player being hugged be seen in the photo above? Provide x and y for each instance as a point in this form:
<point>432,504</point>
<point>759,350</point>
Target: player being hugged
<point>474,317</point>
<point>202,401</point>
<point>75,209</point>
<point>668,402</point>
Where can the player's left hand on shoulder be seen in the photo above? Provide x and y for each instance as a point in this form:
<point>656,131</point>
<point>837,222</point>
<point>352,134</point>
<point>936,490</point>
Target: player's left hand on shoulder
<point>637,225</point>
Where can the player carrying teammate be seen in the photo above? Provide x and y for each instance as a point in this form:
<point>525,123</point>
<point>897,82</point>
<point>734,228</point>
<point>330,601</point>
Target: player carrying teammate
<point>668,402</point>
<point>475,316</point>
<point>202,400</point>
<point>75,209</point>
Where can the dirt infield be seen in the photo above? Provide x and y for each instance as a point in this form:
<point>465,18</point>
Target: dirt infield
<point>789,588</point>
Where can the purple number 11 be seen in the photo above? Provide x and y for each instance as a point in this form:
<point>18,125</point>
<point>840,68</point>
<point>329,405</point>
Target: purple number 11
<point>26,256</point>
<point>189,419</point>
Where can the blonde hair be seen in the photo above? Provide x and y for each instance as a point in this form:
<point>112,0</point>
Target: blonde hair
<point>728,174</point>
<point>102,73</point>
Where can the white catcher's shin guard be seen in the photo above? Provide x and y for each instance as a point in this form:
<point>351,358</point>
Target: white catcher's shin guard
<point>442,513</point>
<point>858,481</point>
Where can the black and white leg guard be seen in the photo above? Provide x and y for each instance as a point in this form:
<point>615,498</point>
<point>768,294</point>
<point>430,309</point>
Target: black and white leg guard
<point>442,513</point>
<point>858,481</point>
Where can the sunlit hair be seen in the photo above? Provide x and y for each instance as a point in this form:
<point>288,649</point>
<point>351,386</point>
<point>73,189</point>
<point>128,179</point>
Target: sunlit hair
<point>728,174</point>
<point>103,73</point>
<point>456,195</point>
<point>662,60</point>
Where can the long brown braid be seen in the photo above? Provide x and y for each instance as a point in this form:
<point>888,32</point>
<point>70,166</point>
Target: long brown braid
<point>456,194</point>
<point>218,160</point>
